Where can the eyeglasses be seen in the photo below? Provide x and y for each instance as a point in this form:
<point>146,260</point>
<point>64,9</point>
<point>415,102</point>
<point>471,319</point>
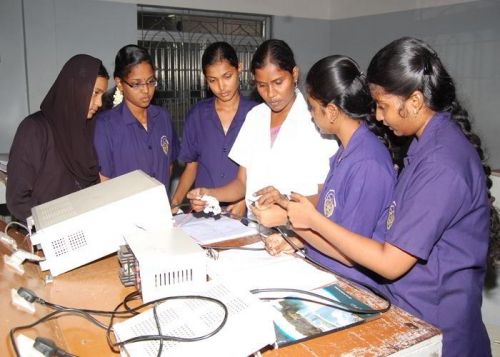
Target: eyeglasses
<point>136,86</point>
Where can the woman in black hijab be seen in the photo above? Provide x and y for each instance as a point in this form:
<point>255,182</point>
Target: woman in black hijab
<point>52,154</point>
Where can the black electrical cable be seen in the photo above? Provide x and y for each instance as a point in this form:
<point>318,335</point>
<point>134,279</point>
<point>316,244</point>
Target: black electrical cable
<point>176,338</point>
<point>158,326</point>
<point>31,297</point>
<point>48,317</point>
<point>287,239</point>
<point>329,302</point>
<point>129,312</point>
<point>136,295</point>
<point>15,329</point>
<point>372,289</point>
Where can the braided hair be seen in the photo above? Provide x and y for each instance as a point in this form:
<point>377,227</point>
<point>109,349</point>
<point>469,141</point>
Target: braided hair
<point>407,65</point>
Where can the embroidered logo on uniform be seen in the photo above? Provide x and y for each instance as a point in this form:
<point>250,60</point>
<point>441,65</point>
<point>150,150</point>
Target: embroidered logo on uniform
<point>391,216</point>
<point>329,204</point>
<point>164,144</point>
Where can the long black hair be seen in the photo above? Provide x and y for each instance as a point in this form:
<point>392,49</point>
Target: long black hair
<point>338,79</point>
<point>407,65</point>
<point>102,72</point>
<point>128,57</point>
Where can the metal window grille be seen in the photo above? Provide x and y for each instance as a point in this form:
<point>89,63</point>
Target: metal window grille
<point>176,39</point>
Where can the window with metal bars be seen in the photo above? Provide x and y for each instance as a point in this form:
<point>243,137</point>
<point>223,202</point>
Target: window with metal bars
<point>176,39</point>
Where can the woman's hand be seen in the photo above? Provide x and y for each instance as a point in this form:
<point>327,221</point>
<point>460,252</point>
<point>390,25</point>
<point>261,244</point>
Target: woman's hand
<point>300,211</point>
<point>268,196</point>
<point>276,244</point>
<point>194,197</point>
<point>238,209</point>
<point>269,216</point>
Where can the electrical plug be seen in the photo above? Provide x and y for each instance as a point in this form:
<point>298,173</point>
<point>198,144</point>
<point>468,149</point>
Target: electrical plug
<point>21,303</point>
<point>16,260</point>
<point>26,348</point>
<point>8,240</point>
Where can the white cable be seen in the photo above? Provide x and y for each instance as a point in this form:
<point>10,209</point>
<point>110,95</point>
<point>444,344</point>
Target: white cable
<point>20,225</point>
<point>16,223</point>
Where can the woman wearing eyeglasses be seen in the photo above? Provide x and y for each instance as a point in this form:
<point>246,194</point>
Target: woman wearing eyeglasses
<point>135,134</point>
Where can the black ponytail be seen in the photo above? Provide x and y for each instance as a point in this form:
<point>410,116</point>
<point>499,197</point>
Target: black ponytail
<point>337,79</point>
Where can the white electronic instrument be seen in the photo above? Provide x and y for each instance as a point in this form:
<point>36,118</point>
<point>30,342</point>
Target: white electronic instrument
<point>86,225</point>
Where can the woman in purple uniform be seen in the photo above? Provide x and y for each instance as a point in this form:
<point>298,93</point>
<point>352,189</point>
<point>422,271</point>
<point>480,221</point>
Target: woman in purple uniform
<point>212,125</point>
<point>435,248</point>
<point>135,134</point>
<point>340,103</point>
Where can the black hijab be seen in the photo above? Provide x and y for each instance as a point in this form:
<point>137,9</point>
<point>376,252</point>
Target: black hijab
<point>66,106</point>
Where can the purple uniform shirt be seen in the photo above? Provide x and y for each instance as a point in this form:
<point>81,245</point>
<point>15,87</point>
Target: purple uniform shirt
<point>123,145</point>
<point>356,195</point>
<point>204,141</point>
<point>441,215</point>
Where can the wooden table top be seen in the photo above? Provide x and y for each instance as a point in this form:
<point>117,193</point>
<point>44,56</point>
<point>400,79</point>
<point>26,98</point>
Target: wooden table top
<point>97,286</point>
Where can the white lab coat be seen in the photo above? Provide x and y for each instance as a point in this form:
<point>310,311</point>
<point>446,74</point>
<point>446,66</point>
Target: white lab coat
<point>299,159</point>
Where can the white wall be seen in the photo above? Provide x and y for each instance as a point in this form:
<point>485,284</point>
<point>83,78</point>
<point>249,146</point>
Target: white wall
<point>491,299</point>
<point>308,39</point>
<point>467,38</point>
<point>13,96</point>
<point>312,9</point>
<point>320,9</point>
<point>58,29</point>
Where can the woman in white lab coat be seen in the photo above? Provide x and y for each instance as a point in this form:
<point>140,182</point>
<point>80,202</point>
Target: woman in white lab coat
<point>278,145</point>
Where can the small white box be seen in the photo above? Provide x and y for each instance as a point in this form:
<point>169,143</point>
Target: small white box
<point>169,263</point>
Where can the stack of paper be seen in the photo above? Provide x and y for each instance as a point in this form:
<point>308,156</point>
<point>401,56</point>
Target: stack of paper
<point>252,269</point>
<point>208,230</point>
